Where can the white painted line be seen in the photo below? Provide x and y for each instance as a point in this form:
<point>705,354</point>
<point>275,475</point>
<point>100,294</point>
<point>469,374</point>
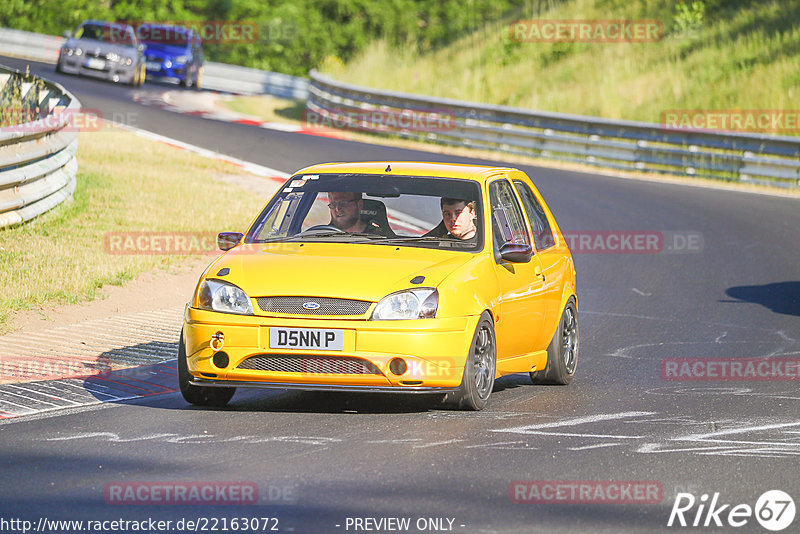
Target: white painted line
<point>29,398</point>
<point>280,126</point>
<point>4,403</point>
<point>43,394</point>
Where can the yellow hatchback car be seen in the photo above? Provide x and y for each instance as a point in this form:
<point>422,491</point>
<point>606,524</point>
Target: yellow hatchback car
<point>386,277</point>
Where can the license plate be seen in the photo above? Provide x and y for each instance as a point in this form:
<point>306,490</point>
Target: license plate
<point>95,63</point>
<point>306,338</point>
<point>152,65</point>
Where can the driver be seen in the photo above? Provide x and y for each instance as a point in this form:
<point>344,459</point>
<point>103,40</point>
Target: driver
<point>459,218</point>
<point>346,213</point>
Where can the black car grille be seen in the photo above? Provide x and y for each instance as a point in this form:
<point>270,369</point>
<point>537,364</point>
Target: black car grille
<point>309,364</point>
<point>99,54</point>
<point>327,306</point>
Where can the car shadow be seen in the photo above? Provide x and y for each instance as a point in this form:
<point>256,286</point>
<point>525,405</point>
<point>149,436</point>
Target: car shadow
<point>780,297</point>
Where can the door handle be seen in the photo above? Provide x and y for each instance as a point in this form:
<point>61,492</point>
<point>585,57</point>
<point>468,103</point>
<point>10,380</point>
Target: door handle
<point>538,272</point>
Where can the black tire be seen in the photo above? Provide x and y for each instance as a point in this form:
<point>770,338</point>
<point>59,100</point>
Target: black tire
<point>479,370</point>
<point>187,79</point>
<point>562,353</point>
<point>198,79</point>
<point>199,395</point>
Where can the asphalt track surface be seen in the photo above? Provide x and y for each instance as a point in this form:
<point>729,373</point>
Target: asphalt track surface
<point>319,459</point>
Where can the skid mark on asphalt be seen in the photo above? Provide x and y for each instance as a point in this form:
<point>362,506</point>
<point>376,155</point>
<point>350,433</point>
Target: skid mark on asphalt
<point>683,391</point>
<point>169,437</point>
<point>763,438</point>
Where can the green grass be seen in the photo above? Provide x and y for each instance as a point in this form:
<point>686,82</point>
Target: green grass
<point>742,55</point>
<point>124,184</point>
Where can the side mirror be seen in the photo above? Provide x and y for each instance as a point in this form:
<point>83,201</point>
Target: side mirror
<point>67,34</point>
<point>516,252</point>
<point>228,240</point>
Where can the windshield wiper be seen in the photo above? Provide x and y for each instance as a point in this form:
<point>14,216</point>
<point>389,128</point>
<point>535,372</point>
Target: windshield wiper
<point>348,235</point>
<point>424,239</point>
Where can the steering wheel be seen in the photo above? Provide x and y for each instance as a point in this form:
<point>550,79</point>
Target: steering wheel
<point>327,227</point>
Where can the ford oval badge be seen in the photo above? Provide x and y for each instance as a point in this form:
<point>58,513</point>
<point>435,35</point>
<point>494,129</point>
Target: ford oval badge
<point>311,305</point>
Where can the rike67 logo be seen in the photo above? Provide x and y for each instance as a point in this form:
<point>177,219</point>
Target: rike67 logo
<point>774,510</point>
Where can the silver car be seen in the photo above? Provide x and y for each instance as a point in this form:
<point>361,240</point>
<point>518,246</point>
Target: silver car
<point>103,50</point>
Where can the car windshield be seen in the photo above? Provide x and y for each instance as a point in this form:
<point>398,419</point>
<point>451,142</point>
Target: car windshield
<point>105,33</point>
<point>374,209</point>
<point>163,35</point>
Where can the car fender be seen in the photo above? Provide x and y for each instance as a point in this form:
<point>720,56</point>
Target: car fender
<point>470,290</point>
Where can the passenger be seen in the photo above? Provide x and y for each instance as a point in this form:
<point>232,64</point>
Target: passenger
<point>346,213</point>
<point>459,218</point>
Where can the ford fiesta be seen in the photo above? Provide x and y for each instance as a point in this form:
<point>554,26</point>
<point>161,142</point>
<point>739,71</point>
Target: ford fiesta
<point>386,277</point>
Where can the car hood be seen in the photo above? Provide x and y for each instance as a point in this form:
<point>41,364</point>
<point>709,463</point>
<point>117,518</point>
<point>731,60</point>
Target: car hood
<point>363,272</point>
<point>164,51</point>
<point>102,46</point>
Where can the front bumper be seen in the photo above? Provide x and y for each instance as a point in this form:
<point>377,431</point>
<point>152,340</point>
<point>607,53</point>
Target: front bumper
<point>113,71</point>
<point>435,351</point>
<point>320,387</point>
<point>175,72</point>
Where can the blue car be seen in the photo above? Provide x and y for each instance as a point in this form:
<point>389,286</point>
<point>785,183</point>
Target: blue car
<point>172,53</point>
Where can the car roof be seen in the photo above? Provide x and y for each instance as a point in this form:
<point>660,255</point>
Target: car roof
<point>106,23</point>
<point>164,26</point>
<point>406,168</point>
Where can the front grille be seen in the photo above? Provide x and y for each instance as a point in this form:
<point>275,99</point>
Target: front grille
<point>309,364</point>
<point>327,306</point>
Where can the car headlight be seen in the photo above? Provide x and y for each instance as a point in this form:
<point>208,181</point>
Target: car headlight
<point>128,61</point>
<point>168,64</point>
<point>181,59</point>
<point>78,51</point>
<point>67,50</point>
<point>216,295</point>
<point>408,304</point>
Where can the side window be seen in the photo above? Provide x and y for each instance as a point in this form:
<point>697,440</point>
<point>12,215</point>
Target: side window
<point>542,234</point>
<point>508,224</point>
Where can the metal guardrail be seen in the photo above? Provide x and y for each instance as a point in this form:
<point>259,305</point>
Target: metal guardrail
<point>627,145</point>
<point>216,76</point>
<point>243,80</point>
<point>38,161</point>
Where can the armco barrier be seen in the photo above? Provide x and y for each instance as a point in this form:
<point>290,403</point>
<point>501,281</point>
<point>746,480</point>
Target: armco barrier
<point>37,158</point>
<point>639,146</point>
<point>216,76</point>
